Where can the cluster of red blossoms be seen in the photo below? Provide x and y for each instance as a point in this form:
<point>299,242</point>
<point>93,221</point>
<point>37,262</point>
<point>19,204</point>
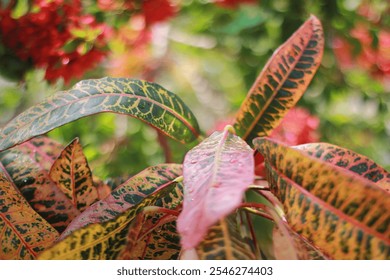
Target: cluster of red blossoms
<point>376,60</point>
<point>55,35</point>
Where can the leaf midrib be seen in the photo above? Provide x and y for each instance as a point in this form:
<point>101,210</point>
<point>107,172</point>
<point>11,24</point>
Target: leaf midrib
<point>270,100</point>
<point>54,107</point>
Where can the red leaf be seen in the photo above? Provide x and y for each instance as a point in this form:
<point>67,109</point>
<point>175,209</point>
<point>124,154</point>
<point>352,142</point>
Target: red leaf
<point>216,174</point>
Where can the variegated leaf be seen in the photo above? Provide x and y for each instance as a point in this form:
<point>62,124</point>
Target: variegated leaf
<point>146,101</point>
<point>153,234</point>
<point>224,242</point>
<point>104,240</point>
<point>342,214</point>
<point>23,233</point>
<point>349,160</point>
<point>282,82</point>
<point>129,194</point>
<point>72,175</point>
<point>27,166</point>
<point>216,174</point>
<point>42,150</point>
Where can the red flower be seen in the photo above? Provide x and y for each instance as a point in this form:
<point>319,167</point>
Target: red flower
<point>297,127</point>
<point>157,10</point>
<point>41,37</point>
<point>375,60</point>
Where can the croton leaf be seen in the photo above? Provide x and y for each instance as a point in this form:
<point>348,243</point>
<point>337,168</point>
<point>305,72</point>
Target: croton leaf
<point>347,159</point>
<point>42,150</point>
<point>72,175</point>
<point>129,194</point>
<point>216,174</point>
<point>344,215</point>
<point>152,237</point>
<point>103,240</point>
<point>146,101</point>
<point>224,242</point>
<point>282,82</point>
<point>27,167</point>
<point>23,233</point>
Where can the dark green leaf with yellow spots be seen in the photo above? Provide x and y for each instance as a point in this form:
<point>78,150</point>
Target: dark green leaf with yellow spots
<point>347,159</point>
<point>146,101</point>
<point>72,175</point>
<point>105,240</point>
<point>129,194</point>
<point>339,212</point>
<point>27,167</point>
<point>282,82</point>
<point>23,233</point>
<point>224,241</point>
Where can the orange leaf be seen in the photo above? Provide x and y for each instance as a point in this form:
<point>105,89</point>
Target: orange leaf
<point>23,233</point>
<point>72,175</point>
<point>26,165</point>
<point>282,82</point>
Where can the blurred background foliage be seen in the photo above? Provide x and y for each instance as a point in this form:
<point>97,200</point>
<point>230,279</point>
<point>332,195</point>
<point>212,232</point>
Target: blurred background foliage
<point>209,52</point>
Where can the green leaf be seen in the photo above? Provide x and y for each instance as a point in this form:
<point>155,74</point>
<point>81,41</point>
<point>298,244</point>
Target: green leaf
<point>72,175</point>
<point>146,101</point>
<point>23,233</point>
<point>282,82</point>
<point>21,8</point>
<point>342,214</point>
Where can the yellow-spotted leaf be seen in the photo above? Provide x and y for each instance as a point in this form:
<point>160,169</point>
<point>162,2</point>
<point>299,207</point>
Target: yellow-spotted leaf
<point>225,242</point>
<point>347,159</point>
<point>23,233</point>
<point>72,175</point>
<point>152,237</point>
<point>339,212</point>
<point>27,166</point>
<point>282,82</point>
<point>153,234</point>
<point>146,101</point>
<point>129,194</point>
<point>104,240</point>
<point>216,174</point>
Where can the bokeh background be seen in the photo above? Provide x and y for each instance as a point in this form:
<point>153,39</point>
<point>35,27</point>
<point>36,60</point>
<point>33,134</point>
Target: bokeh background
<point>209,52</point>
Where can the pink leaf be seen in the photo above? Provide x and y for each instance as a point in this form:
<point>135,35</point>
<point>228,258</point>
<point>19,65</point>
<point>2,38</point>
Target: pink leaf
<point>216,174</point>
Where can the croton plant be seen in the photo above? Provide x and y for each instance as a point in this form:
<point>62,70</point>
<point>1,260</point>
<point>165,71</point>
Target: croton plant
<point>317,201</point>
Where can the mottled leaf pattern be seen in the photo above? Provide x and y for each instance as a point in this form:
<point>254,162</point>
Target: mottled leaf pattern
<point>346,217</point>
<point>104,240</point>
<point>216,174</point>
<point>282,82</point>
<point>23,233</point>
<point>153,235</point>
<point>72,175</point>
<point>28,171</point>
<point>127,195</point>
<point>42,150</point>
<point>146,101</point>
<point>349,160</point>
<point>224,242</point>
